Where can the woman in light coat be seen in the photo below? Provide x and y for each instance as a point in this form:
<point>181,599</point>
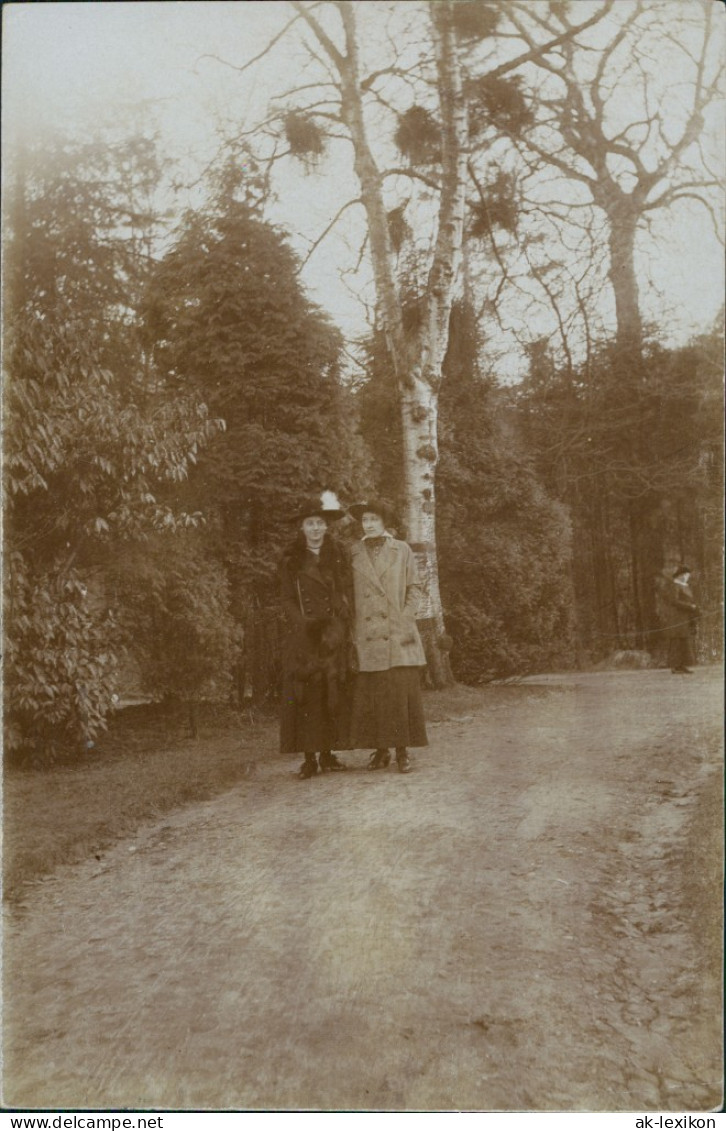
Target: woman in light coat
<point>387,702</point>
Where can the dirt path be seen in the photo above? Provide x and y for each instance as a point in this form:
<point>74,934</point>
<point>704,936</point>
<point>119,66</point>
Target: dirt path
<point>530,921</point>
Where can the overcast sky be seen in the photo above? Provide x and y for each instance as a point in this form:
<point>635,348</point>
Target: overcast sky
<point>64,61</point>
<point>68,62</point>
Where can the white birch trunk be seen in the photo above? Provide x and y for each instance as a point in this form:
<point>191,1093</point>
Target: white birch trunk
<point>417,360</point>
<point>419,404</point>
<point>419,409</point>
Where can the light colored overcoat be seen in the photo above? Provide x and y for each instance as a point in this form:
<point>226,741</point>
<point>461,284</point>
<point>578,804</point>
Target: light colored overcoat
<point>387,593</point>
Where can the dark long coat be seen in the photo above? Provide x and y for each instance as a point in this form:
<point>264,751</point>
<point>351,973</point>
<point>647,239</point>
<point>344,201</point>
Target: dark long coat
<point>678,610</point>
<point>314,652</point>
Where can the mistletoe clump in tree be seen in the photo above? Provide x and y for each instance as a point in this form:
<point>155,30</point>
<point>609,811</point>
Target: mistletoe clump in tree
<point>366,91</point>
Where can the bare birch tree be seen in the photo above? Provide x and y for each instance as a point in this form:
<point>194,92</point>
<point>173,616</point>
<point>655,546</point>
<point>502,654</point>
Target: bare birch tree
<point>416,357</point>
<point>424,81</point>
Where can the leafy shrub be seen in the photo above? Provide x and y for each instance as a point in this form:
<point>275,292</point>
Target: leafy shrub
<point>60,664</point>
<point>180,626</point>
<point>504,543</point>
<point>96,444</point>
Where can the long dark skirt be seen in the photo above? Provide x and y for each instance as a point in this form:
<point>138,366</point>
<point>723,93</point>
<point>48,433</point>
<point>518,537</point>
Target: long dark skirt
<point>681,653</point>
<point>388,709</point>
<point>309,721</point>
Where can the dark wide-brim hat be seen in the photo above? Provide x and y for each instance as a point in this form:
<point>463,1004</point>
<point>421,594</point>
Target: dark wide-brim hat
<point>373,506</point>
<point>325,506</point>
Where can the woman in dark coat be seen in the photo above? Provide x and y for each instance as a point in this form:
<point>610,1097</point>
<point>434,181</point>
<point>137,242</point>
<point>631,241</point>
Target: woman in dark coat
<point>315,640</point>
<point>387,702</point>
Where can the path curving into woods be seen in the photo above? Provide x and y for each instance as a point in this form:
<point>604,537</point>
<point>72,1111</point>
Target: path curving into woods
<point>529,921</point>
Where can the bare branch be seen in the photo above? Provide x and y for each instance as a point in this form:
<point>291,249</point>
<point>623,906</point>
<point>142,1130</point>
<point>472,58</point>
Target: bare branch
<point>549,291</point>
<point>607,53</point>
<point>701,98</point>
<point>316,243</point>
<point>414,175</point>
<point>563,166</point>
<point>504,270</point>
<point>299,89</point>
<point>361,252</point>
<point>538,53</point>
<point>351,357</point>
<point>320,34</point>
<point>245,66</point>
<point>396,72</point>
<point>669,194</point>
<point>677,195</point>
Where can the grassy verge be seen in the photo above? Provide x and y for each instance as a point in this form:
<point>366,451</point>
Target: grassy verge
<point>146,765</point>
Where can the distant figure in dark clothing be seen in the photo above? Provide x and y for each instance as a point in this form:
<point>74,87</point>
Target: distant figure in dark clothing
<point>680,615</point>
<point>315,640</point>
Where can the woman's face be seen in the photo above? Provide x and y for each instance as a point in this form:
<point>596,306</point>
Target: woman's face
<point>372,524</point>
<point>314,528</point>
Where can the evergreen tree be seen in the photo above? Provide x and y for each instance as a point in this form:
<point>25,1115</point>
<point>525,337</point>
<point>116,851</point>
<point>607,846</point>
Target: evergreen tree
<point>90,439</point>
<point>581,431</point>
<point>226,317</point>
<point>504,544</point>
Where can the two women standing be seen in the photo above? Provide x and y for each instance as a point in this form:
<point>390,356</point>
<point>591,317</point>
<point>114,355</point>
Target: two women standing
<point>337,604</point>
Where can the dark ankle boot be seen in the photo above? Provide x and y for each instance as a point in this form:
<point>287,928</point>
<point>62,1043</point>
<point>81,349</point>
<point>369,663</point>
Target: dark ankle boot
<point>378,760</point>
<point>309,767</point>
<point>402,760</point>
<point>329,762</point>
